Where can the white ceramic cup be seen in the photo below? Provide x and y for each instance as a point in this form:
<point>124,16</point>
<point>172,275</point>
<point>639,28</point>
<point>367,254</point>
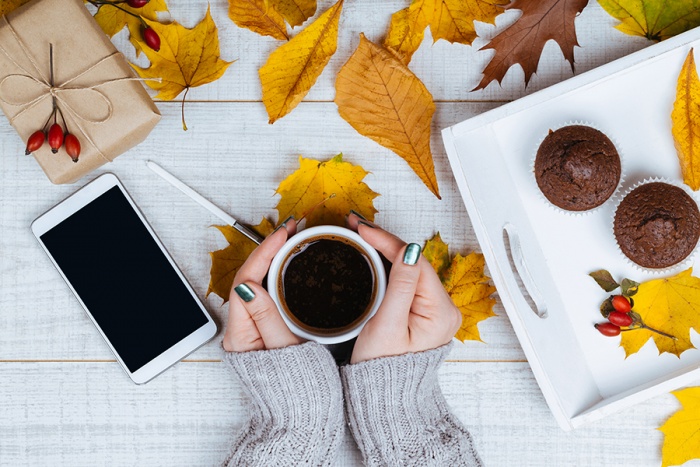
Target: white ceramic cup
<point>275,277</point>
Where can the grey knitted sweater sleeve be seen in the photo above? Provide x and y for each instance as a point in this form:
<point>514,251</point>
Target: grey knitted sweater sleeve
<point>398,415</point>
<point>296,407</point>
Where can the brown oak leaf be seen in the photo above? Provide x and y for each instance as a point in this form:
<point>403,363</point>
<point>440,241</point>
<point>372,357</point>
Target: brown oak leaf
<point>522,43</point>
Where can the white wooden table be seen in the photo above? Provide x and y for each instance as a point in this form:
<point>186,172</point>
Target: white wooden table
<point>65,401</point>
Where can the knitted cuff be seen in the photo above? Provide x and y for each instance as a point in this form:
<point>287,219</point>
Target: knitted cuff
<point>296,405</point>
<point>398,415</point>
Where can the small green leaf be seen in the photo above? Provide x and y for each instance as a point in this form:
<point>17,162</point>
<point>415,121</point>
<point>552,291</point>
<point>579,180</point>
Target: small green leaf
<point>607,307</point>
<point>629,287</point>
<point>604,280</point>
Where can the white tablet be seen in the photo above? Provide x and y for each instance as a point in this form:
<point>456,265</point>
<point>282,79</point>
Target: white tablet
<point>124,278</point>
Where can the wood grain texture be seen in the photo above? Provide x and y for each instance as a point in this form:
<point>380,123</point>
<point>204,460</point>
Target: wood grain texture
<point>81,414</point>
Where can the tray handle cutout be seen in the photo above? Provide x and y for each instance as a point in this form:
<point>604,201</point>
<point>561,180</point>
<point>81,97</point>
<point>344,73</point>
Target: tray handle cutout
<point>523,278</point>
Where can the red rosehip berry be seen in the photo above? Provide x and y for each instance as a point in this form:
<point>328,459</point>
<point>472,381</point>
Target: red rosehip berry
<point>137,3</point>
<point>151,37</point>
<point>620,319</point>
<point>608,329</point>
<point>55,137</point>
<point>621,304</point>
<point>35,141</point>
<point>72,147</point>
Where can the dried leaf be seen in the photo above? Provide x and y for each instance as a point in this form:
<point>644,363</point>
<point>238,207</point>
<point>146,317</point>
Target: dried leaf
<point>670,305</point>
<point>453,20</point>
<point>259,17</point>
<point>112,20</point>
<point>629,287</point>
<point>407,28</point>
<point>522,42</point>
<point>437,254</point>
<point>685,120</point>
<point>682,430</point>
<point>6,6</point>
<point>226,262</point>
<point>187,58</point>
<point>605,280</point>
<point>653,19</point>
<point>293,68</point>
<point>295,11</point>
<point>465,282</point>
<point>382,99</point>
<point>325,192</point>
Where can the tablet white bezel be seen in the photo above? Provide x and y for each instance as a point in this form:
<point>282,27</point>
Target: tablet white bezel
<point>74,203</point>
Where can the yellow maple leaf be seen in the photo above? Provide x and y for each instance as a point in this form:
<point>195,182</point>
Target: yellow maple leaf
<point>293,68</point>
<point>325,192</point>
<point>670,305</point>
<point>112,19</point>
<point>258,16</point>
<point>226,262</point>
<point>382,99</point>
<point>187,58</point>
<point>685,120</point>
<point>653,19</point>
<point>295,11</point>
<point>451,20</point>
<point>682,430</point>
<point>6,6</point>
<point>465,282</point>
<point>407,28</point>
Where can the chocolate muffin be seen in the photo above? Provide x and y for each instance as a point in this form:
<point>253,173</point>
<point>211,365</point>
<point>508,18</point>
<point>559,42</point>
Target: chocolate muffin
<point>657,225</point>
<point>577,168</point>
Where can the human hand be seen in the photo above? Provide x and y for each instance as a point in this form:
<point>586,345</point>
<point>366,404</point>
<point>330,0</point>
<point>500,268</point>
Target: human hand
<point>254,322</point>
<point>417,313</point>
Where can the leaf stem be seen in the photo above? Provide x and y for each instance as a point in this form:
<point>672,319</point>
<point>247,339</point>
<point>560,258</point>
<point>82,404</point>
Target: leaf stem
<point>184,124</point>
<point>644,326</point>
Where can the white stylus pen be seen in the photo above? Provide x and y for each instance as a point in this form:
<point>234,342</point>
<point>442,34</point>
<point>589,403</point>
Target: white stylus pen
<point>202,201</point>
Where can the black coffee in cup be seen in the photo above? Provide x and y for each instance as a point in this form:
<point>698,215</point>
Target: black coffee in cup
<point>327,284</point>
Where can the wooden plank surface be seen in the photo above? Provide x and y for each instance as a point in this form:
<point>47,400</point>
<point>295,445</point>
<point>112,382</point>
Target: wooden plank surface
<point>63,401</point>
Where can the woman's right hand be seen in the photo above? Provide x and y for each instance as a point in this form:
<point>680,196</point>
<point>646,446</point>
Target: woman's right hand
<point>416,314</point>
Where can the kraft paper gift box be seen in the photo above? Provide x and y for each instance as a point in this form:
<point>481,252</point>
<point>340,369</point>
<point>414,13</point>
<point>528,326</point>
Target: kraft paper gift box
<point>103,102</point>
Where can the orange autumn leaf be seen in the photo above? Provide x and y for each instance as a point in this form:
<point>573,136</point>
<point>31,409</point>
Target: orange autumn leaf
<point>187,58</point>
<point>465,282</point>
<point>383,100</point>
<point>294,67</point>
<point>226,262</point>
<point>112,20</point>
<point>522,43</point>
<point>670,305</point>
<point>682,430</point>
<point>407,28</point>
<point>653,19</point>
<point>258,16</point>
<point>294,11</point>
<point>325,192</point>
<point>6,6</point>
<point>685,120</point>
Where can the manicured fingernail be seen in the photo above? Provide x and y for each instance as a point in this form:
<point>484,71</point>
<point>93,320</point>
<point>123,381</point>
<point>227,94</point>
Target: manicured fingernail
<point>283,224</point>
<point>365,223</point>
<point>245,292</point>
<point>358,214</point>
<point>412,254</point>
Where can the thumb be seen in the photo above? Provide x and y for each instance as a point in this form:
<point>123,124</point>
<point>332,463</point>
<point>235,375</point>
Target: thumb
<point>259,305</point>
<point>401,289</point>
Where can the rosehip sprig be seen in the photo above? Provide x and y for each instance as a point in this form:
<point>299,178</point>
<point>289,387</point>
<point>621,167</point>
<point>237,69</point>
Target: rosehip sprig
<point>618,309</point>
<point>150,37</point>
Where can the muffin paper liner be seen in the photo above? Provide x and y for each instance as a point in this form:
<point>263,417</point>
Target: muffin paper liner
<point>592,210</point>
<point>682,264</point>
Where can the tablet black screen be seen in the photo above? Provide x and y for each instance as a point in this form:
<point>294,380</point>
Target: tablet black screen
<point>123,278</point>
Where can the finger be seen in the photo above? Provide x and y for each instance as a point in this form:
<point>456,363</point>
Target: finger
<point>354,219</point>
<point>259,305</point>
<point>257,264</point>
<point>401,289</point>
<point>241,333</point>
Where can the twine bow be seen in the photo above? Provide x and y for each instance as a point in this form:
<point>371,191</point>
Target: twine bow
<point>47,89</point>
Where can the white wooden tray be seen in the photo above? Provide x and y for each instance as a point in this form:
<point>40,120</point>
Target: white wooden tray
<point>583,375</point>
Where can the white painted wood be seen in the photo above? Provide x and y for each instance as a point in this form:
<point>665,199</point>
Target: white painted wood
<point>90,414</point>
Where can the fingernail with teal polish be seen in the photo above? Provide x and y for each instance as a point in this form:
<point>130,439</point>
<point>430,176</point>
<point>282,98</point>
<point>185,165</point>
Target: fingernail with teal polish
<point>245,292</point>
<point>283,224</point>
<point>366,223</point>
<point>358,214</point>
<point>412,254</point>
